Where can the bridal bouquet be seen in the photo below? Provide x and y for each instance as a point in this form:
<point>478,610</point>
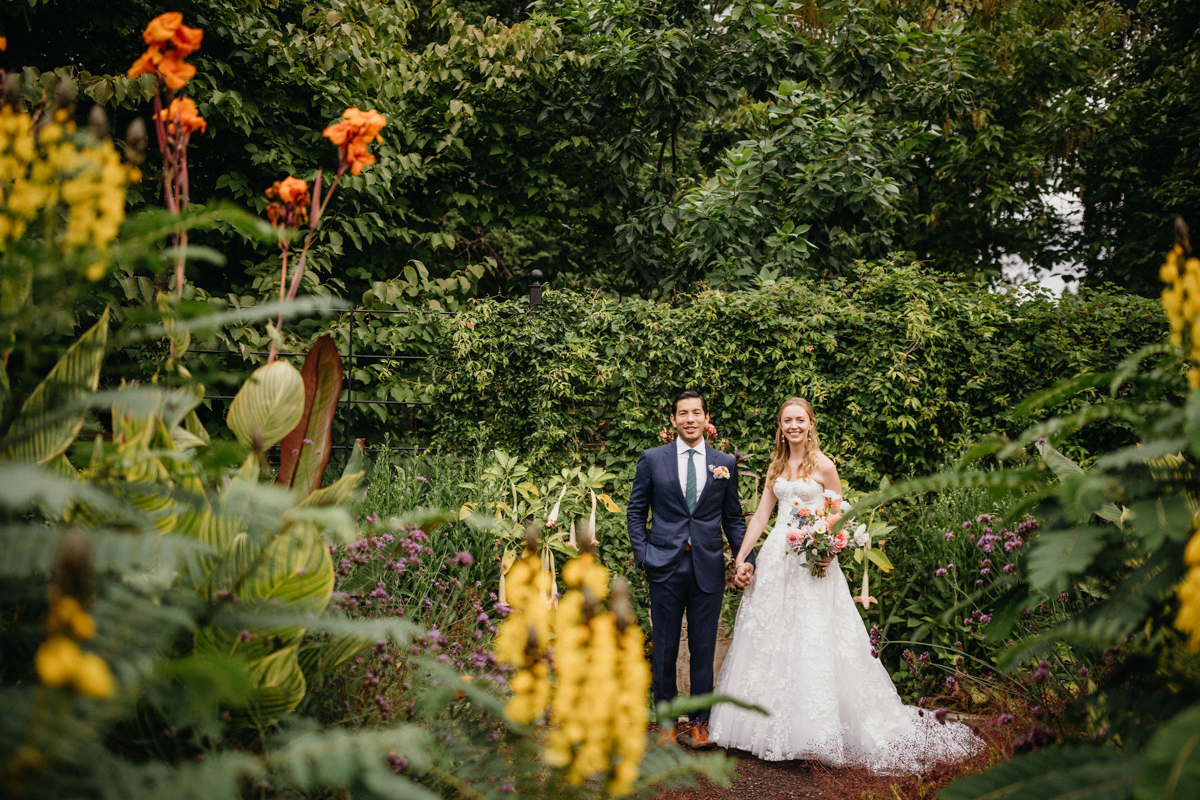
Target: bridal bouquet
<point>811,531</point>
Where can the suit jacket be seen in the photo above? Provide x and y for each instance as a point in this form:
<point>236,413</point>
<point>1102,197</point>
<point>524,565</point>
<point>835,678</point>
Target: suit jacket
<point>656,489</point>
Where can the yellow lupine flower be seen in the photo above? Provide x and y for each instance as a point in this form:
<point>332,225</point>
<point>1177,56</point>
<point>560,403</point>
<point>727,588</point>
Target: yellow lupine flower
<point>41,170</point>
<point>1188,619</point>
<point>93,678</point>
<point>57,660</point>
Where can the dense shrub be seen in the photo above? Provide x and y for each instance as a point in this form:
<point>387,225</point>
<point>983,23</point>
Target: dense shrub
<point>903,366</point>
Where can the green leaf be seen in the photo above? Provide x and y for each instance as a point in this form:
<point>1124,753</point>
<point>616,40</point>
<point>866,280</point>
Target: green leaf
<point>1056,773</point>
<point>1058,554</point>
<point>304,452</point>
<point>1173,771</point>
<point>279,685</point>
<point>38,434</point>
<point>669,712</point>
<point>212,679</point>
<point>879,559</point>
<point>267,406</point>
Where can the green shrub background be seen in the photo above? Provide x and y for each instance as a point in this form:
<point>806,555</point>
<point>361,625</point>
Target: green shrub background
<point>904,367</point>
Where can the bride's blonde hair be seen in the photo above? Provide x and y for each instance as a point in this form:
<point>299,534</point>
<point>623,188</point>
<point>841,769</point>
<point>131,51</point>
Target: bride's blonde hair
<point>812,447</point>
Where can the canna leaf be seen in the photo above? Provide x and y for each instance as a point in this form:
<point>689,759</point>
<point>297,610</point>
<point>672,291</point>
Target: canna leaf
<point>268,406</point>
<point>41,431</point>
<point>304,452</point>
<point>279,684</point>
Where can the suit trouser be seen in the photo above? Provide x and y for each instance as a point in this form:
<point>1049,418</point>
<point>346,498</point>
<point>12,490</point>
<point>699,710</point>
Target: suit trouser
<point>669,600</point>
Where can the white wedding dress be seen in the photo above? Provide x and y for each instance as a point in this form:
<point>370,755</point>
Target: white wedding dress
<point>801,651</point>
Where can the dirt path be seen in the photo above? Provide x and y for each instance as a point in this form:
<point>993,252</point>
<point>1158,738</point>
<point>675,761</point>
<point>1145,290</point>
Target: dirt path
<point>759,780</point>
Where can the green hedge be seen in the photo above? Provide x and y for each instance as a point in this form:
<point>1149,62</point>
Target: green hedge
<point>903,366</point>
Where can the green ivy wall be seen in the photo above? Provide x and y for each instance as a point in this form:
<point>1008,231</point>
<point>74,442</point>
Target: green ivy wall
<point>904,367</point>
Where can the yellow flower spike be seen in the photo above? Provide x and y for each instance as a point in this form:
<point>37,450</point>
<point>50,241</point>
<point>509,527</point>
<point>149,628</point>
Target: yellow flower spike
<point>57,661</point>
<point>93,678</point>
<point>1188,619</point>
<point>1191,554</point>
<point>63,610</point>
<point>83,627</point>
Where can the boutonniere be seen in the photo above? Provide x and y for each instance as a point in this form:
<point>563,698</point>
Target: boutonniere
<point>720,473</point>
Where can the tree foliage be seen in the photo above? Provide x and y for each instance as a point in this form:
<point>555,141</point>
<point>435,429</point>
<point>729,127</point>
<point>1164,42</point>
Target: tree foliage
<point>642,147</point>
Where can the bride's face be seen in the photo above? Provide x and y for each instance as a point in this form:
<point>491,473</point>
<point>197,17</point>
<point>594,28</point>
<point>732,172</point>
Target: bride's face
<point>795,424</point>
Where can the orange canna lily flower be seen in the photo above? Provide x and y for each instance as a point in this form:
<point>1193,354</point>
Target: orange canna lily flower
<point>175,71</point>
<point>292,191</point>
<point>3,43</point>
<point>353,134</point>
<point>147,63</point>
<point>162,28</point>
<point>358,157</point>
<point>186,40</point>
<point>338,133</point>
<point>182,113</point>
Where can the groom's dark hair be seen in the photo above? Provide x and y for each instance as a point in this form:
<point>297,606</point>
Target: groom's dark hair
<point>688,394</point>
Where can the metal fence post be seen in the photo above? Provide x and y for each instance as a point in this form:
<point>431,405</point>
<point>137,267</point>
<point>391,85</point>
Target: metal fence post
<point>350,384</point>
<point>535,290</point>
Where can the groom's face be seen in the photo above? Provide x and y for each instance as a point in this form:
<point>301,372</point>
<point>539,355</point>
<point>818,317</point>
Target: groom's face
<point>689,419</point>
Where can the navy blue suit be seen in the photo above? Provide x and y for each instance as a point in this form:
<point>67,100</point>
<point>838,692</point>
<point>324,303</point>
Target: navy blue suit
<point>682,579</point>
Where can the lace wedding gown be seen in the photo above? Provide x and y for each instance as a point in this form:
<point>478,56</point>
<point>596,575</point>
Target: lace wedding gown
<point>800,650</point>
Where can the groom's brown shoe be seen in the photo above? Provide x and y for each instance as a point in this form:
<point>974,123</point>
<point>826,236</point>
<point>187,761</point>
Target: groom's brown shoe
<point>698,738</point>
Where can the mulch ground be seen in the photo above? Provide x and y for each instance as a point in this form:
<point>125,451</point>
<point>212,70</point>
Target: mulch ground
<point>759,780</point>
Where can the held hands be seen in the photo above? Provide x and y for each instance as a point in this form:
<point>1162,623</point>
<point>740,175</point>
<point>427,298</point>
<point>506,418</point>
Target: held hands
<point>744,575</point>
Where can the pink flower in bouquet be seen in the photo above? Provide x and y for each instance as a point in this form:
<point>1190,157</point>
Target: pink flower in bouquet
<point>794,538</point>
<point>804,512</point>
<point>841,540</point>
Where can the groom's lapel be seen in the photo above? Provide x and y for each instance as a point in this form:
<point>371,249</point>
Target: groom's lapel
<point>710,458</point>
<point>672,465</point>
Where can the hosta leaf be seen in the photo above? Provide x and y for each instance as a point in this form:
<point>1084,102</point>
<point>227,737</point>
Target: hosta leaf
<point>267,406</point>
<point>41,430</point>
<point>304,452</point>
<point>1057,554</point>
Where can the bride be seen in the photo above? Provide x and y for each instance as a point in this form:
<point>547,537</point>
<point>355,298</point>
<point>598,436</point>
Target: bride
<point>800,649</point>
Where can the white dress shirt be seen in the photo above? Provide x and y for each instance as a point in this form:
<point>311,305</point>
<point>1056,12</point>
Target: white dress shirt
<point>700,460</point>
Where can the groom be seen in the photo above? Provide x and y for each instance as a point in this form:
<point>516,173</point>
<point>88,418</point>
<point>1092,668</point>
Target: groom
<point>691,492</point>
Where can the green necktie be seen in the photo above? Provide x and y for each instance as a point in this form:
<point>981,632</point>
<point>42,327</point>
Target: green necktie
<point>690,494</point>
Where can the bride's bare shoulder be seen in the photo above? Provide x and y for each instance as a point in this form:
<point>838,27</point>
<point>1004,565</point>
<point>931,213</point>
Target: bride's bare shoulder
<point>824,462</point>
